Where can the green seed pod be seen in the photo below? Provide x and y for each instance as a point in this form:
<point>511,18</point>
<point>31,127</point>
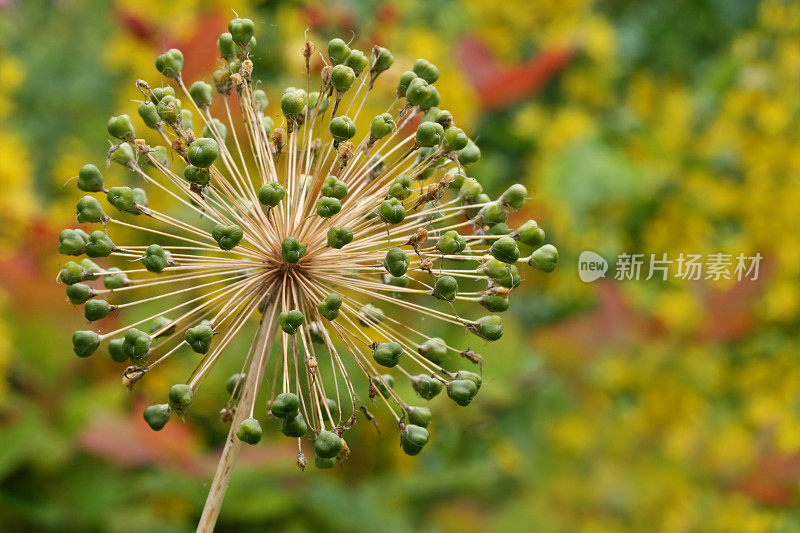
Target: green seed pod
<point>515,196</point>
<point>292,102</point>
<point>234,383</point>
<point>338,51</point>
<point>324,464</point>
<point>472,376</point>
<point>170,63</point>
<point>392,211</point>
<point>149,114</point>
<point>396,262</point>
<point>261,100</point>
<point>339,237</point>
<point>426,70</point>
<point>99,245</point>
<point>382,125</point>
<point>155,259</point>
<point>159,154</point>
<point>529,233</point>
<point>136,344</point>
<point>544,258</point>
<point>160,92</point>
<point>70,242</point>
<point>499,229</point>
<point>494,303</point>
<point>203,152</point>
<point>115,350</point>
<point>202,94</point>
<point>285,405</point>
<point>226,46</point>
<point>79,293</point>
<point>413,438</point>
<point>342,128</point>
<point>186,120</point>
<point>317,332</point>
<point>433,349</point>
<point>488,327</point>
<point>405,80</point>
<point>227,237</point>
<point>383,384</point>
<point>329,306</point>
<point>88,209</point>
<point>357,61</point>
<point>419,416</point>
<point>268,123</point>
<point>197,176</point>
<point>199,338</point>
<point>418,92</point>
<point>292,250</point>
<point>451,243</point>
<point>387,353</point>
<point>72,273</point>
<point>382,60</point>
<point>426,386</point>
<point>446,288</point>
<point>169,109</point>
<point>290,321</point>
<point>294,427</point>
<point>120,127</point>
<point>429,134</point>
<point>493,214</point>
<point>180,397</point>
<point>494,269</point>
<point>140,197</point>
<point>400,187</point>
<point>470,189</point>
<point>455,139</point>
<point>432,100</point>
<point>271,193</point>
<point>117,280</point>
<point>328,445</point>
<point>328,206</point>
<point>314,102</point>
<point>96,309</point>
<point>157,416</point>
<point>249,431</point>
<point>123,155</point>
<point>122,198</point>
<point>333,407</point>
<point>342,78</point>
<point>84,343</point>
<point>222,81</point>
<point>510,279</point>
<point>369,315</point>
<point>462,391</point>
<point>241,31</point>
<point>90,179</point>
<point>469,154</point>
<point>90,269</point>
<point>334,187</point>
<point>401,281</point>
<point>505,249</point>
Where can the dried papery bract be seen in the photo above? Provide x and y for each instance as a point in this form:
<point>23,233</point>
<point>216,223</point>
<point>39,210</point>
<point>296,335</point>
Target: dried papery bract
<point>313,239</point>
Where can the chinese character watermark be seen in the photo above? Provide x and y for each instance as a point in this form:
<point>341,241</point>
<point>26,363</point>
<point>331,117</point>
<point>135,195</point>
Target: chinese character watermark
<point>683,266</point>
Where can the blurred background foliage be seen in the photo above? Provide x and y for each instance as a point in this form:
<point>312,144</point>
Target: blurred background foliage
<point>658,126</point>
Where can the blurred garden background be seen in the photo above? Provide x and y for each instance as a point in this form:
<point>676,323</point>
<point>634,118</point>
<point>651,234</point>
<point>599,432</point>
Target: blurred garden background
<point>665,126</point>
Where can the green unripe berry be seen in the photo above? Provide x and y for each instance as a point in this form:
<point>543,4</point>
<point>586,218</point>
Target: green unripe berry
<point>292,102</point>
<point>226,46</point>
<point>396,262</point>
<point>392,211</point>
<point>510,279</point>
<point>169,109</point>
<point>136,344</point>
<point>197,176</point>
<point>123,198</point>
<point>472,376</point>
<point>227,237</point>
<point>123,155</point>
<point>241,30</point>
<point>356,61</point>
<point>155,259</point>
<point>328,206</point>
<point>115,350</point>
<point>292,250</point>
<point>429,134</point>
<point>202,94</point>
<point>529,233</point>
<point>382,60</point>
<point>544,258</point>
<point>333,407</point>
<point>501,228</point>
<point>493,214</point>
<point>72,273</point>
<point>400,187</point>
<point>121,127</point>
<point>324,464</point>
<point>413,438</point>
<point>162,326</point>
<point>382,125</point>
<point>88,209</point>
<point>338,51</point>
<point>426,386</point>
<point>249,431</point>
<point>157,416</point>
<point>71,242</point>
<point>234,383</point>
<point>470,189</point>
<point>160,92</point>
<point>426,70</point>
<point>515,196</point>
<point>432,100</point>
<point>199,338</point>
<point>180,397</point>
<point>405,80</point>
<point>451,243</point>
<point>285,405</point>
<point>387,353</point>
<point>290,321</point>
<point>329,306</point>
<point>342,128</point>
<point>149,114</point>
<point>342,78</point>
<point>462,391</point>
<point>445,288</point>
<point>339,237</point>
<point>334,187</point>
<point>79,293</point>
<point>117,280</point>
<point>170,63</point>
<point>90,269</point>
<point>418,92</point>
<point>84,343</point>
<point>99,245</point>
<point>294,427</point>
<point>90,179</point>
<point>369,315</point>
<point>96,309</point>
<point>505,249</point>
<point>203,152</point>
<point>328,445</point>
<point>494,303</point>
<point>271,193</point>
<point>488,327</point>
<point>419,416</point>
<point>469,154</point>
<point>433,349</point>
<point>455,139</point>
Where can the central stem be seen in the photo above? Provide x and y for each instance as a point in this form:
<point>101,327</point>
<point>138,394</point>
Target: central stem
<point>255,372</point>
